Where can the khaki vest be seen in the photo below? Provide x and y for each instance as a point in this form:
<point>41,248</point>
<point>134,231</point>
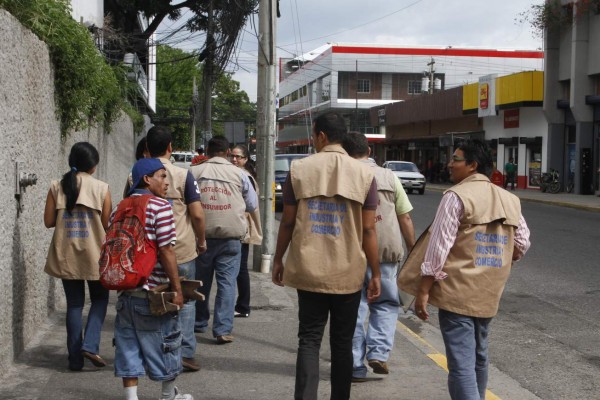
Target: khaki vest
<point>185,246</point>
<point>75,248</point>
<point>254,233</point>
<point>325,253</point>
<point>480,260</point>
<point>389,236</point>
<point>220,185</point>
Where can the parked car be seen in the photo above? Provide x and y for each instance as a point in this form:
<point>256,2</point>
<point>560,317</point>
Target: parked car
<point>182,158</point>
<point>282,167</point>
<point>409,175</point>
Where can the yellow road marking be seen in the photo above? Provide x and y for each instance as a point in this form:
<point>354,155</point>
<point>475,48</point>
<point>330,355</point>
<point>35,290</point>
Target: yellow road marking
<point>438,357</point>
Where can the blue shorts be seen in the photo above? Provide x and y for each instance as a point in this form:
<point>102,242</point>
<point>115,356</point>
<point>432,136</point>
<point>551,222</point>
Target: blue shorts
<point>145,342</point>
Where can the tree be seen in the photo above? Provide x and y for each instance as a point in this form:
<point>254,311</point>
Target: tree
<point>553,14</point>
<point>228,20</point>
<point>174,96</point>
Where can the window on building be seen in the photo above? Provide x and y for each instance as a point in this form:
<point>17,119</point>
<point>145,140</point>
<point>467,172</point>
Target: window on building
<point>363,86</point>
<point>414,87</point>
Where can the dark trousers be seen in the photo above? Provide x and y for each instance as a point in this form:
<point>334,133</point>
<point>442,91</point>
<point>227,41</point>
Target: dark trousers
<point>242,305</point>
<point>510,178</point>
<point>313,311</point>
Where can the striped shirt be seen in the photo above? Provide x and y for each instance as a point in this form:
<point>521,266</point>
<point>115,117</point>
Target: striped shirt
<point>160,228</point>
<point>443,234</point>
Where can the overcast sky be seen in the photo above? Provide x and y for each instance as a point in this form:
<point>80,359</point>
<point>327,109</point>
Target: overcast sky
<point>307,24</point>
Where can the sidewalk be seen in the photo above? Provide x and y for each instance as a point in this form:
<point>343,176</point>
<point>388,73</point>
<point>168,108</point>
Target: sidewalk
<point>563,199</point>
<point>258,365</point>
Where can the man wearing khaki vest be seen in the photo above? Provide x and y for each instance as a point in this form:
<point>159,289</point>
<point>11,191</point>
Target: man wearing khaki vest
<point>227,195</point>
<point>328,222</point>
<point>184,196</point>
<point>477,234</point>
<point>393,223</point>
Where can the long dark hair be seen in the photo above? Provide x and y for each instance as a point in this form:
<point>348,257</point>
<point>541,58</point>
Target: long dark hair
<point>82,158</point>
<point>250,166</point>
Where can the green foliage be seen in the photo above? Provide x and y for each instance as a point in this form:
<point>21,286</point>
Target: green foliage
<point>88,90</point>
<point>174,92</point>
<point>174,96</point>
<point>552,14</point>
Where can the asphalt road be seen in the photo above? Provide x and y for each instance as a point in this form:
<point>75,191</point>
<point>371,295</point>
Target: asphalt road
<point>547,332</point>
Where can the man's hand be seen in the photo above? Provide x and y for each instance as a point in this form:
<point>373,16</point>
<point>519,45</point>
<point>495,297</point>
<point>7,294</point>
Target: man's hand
<point>374,289</point>
<point>178,299</point>
<point>421,305</point>
<point>201,247</point>
<point>277,273</point>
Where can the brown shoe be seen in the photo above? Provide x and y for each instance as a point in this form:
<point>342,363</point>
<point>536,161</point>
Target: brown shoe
<point>95,359</point>
<point>224,339</point>
<point>379,367</point>
<point>190,364</point>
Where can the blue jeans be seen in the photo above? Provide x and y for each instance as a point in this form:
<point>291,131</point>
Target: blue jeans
<point>146,342</point>
<point>222,260</point>
<point>90,341</point>
<point>466,340</point>
<point>187,315</point>
<point>377,342</point>
<point>313,311</point>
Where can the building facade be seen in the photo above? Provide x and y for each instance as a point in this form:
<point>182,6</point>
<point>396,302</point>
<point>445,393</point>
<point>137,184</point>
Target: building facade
<point>352,79</point>
<point>572,94</point>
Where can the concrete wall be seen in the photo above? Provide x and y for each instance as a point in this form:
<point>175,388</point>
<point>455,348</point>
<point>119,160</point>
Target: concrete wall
<point>30,134</point>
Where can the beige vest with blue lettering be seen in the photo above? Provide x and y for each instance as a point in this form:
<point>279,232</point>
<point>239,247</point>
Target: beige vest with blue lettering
<point>389,236</point>
<point>480,260</point>
<point>325,253</point>
<point>224,207</point>
<point>75,248</point>
<point>185,246</point>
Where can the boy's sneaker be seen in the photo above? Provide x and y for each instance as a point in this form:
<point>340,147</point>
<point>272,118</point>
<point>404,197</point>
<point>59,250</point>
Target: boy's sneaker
<point>180,396</point>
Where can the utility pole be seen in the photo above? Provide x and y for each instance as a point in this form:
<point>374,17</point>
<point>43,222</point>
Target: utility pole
<point>431,73</point>
<point>265,132</point>
<point>194,112</point>
<point>207,78</point>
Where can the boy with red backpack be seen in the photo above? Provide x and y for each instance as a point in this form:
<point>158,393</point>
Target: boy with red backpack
<point>145,341</point>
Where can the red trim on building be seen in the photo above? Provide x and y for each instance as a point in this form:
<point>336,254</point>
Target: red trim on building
<point>436,52</point>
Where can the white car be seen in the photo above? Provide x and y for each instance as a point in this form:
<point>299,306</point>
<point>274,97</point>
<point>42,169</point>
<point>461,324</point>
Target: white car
<point>182,158</point>
<point>409,175</point>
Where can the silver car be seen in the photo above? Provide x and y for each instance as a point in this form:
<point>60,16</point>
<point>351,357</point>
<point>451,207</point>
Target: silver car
<point>409,175</point>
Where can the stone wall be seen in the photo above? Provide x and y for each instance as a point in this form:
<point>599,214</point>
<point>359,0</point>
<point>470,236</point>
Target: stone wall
<point>30,134</point>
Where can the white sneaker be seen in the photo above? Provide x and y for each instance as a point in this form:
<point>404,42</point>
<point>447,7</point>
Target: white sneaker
<point>180,396</point>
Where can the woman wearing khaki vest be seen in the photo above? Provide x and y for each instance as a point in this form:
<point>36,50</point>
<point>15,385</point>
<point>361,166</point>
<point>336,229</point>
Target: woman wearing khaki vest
<point>239,157</point>
<point>78,207</point>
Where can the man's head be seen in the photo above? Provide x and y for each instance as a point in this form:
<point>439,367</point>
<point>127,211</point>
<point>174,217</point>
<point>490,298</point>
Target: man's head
<point>470,157</point>
<point>158,141</point>
<point>149,173</point>
<point>328,128</point>
<point>510,160</point>
<point>218,146</point>
<point>141,151</point>
<point>200,150</point>
<point>356,145</point>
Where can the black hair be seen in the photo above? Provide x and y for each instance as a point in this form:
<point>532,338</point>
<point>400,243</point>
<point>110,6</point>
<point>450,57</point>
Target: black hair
<point>200,150</point>
<point>356,144</point>
<point>478,151</point>
<point>249,166</point>
<point>216,145</point>
<point>82,158</point>
<point>158,139</point>
<point>140,149</point>
<point>332,124</point>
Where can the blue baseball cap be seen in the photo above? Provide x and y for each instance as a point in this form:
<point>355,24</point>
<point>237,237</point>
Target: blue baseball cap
<point>143,167</point>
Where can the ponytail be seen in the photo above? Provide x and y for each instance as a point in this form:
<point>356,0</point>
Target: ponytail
<point>82,158</point>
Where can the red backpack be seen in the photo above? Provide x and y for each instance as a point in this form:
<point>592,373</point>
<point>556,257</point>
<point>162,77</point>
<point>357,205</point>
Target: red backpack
<point>127,257</point>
